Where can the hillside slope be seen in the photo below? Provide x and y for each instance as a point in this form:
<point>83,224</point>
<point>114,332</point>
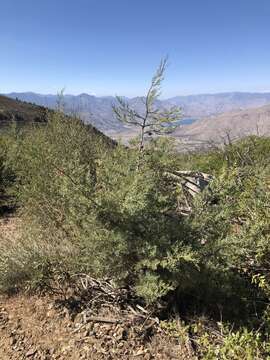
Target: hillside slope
<point>96,111</point>
<point>19,111</point>
<point>204,105</point>
<point>236,125</point>
<point>25,113</point>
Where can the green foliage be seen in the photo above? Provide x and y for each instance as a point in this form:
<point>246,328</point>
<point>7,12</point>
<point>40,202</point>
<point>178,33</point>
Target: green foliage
<point>151,119</point>
<point>87,207</point>
<point>232,219</point>
<point>239,345</point>
<point>80,196</point>
<point>134,208</point>
<point>176,329</point>
<point>7,176</point>
<point>218,341</point>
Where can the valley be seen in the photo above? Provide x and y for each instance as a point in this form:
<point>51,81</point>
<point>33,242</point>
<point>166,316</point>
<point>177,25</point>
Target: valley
<point>206,119</point>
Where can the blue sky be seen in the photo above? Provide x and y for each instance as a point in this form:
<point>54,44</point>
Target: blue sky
<point>109,47</point>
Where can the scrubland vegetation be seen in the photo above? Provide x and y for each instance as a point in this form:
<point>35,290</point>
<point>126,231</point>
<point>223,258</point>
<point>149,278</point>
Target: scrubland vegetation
<point>90,206</point>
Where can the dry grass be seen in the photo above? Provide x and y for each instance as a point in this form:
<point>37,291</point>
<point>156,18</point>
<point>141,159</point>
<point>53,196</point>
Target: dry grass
<point>9,228</point>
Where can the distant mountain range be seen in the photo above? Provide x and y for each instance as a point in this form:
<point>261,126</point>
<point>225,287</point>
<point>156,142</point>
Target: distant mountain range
<point>204,105</point>
<point>98,110</point>
<point>207,118</point>
<point>92,109</point>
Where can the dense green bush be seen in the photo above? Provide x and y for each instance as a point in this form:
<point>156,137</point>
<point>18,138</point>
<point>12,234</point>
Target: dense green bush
<point>89,206</point>
<point>55,169</point>
<point>232,219</point>
<point>108,207</point>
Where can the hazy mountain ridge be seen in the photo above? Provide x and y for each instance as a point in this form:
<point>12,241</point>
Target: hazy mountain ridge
<point>203,105</point>
<point>98,110</point>
<point>92,109</point>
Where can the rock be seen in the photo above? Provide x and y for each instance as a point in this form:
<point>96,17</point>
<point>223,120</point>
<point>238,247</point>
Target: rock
<point>120,334</point>
<point>13,341</point>
<point>31,352</point>
<point>86,333</point>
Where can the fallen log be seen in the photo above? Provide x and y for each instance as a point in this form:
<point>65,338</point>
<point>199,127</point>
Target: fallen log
<point>191,183</point>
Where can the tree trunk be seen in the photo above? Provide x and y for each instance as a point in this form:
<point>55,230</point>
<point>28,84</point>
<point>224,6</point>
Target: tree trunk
<point>141,145</point>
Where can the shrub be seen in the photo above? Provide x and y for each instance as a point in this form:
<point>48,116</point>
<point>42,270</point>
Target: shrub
<point>109,211</point>
<point>232,220</point>
<point>82,197</point>
<point>242,344</point>
<point>88,206</point>
<point>7,176</point>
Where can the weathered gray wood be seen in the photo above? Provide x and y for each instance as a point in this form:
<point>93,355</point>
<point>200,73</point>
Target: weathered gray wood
<point>191,183</point>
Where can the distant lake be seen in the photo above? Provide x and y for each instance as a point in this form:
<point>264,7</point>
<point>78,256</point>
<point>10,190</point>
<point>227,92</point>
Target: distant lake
<point>186,121</point>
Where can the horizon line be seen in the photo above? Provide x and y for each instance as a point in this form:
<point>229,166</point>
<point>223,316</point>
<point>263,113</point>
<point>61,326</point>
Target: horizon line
<point>137,96</point>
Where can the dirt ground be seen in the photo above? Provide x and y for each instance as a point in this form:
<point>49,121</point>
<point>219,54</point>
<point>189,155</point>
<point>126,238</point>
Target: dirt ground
<point>36,327</point>
<point>31,328</point>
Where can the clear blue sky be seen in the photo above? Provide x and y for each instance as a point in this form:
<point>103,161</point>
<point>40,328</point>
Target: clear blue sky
<point>113,46</point>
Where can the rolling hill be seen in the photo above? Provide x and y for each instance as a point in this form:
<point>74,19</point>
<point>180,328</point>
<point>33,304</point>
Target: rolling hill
<point>19,111</point>
<point>235,125</point>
